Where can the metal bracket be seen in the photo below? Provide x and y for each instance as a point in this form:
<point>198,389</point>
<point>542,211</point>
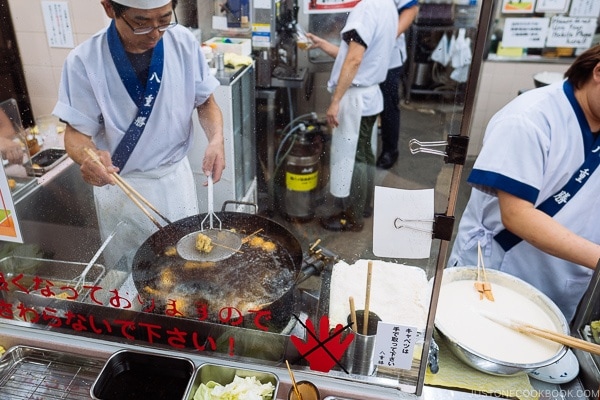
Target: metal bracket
<point>442,229</point>
<point>443,226</point>
<point>455,148</point>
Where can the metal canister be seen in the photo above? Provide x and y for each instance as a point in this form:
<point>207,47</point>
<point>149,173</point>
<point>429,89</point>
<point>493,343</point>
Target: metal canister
<point>220,61</point>
<point>302,166</point>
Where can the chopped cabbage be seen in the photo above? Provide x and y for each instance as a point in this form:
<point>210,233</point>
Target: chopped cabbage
<point>248,388</point>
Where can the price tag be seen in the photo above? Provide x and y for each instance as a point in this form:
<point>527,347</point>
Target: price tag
<point>394,345</point>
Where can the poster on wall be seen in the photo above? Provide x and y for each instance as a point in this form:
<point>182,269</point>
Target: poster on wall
<point>571,32</point>
<point>518,6</point>
<point>328,6</point>
<point>552,6</point>
<point>57,21</point>
<point>525,32</point>
<point>9,225</point>
<point>585,8</point>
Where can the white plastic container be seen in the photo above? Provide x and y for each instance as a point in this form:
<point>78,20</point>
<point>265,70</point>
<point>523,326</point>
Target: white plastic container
<point>230,45</point>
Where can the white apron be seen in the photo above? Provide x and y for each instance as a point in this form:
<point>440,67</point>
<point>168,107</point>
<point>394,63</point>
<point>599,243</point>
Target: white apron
<point>171,190</point>
<point>345,138</point>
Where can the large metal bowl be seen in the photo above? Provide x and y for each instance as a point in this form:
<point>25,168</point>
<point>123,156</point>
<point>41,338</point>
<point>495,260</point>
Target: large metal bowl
<point>485,363</point>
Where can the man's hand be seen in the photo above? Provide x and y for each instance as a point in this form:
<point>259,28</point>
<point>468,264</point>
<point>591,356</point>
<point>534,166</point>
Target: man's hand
<point>332,113</point>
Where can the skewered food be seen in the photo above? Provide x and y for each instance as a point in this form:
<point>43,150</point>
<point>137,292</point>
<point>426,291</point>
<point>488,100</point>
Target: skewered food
<point>203,243</point>
<point>198,264</point>
<point>171,251</point>
<point>269,246</point>
<point>256,241</point>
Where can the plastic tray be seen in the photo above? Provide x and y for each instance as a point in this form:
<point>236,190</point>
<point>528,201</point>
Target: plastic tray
<point>45,160</point>
<point>131,375</point>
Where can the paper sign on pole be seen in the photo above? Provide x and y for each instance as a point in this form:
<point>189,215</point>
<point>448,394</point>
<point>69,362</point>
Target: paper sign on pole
<point>9,225</point>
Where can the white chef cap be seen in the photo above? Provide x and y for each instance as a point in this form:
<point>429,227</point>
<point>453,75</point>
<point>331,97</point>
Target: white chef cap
<point>143,4</point>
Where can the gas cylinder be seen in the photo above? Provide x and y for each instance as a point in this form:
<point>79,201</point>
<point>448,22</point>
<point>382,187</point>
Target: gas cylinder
<point>302,169</point>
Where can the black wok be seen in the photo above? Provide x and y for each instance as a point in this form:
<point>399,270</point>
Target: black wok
<point>248,280</point>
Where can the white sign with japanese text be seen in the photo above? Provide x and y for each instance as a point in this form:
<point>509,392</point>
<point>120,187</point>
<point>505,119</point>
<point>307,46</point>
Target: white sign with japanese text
<point>394,345</point>
<point>585,8</point>
<point>556,6</point>
<point>59,29</point>
<point>525,32</point>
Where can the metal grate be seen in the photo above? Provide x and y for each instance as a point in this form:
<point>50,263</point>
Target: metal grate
<point>37,374</point>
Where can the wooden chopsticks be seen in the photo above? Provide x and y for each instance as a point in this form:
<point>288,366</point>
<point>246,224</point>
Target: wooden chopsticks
<point>367,299</point>
<point>294,385</point>
<point>246,239</point>
<point>482,285</point>
<point>353,314</point>
<point>556,337</point>
<point>133,194</point>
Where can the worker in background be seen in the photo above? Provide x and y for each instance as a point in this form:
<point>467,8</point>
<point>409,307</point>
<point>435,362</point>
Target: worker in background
<point>390,116</point>
<point>534,208</point>
<point>366,43</point>
<point>129,94</point>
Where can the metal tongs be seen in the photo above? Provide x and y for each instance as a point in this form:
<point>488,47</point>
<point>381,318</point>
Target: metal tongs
<point>482,285</point>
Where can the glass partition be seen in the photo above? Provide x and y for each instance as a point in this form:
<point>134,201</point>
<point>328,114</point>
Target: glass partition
<point>265,302</point>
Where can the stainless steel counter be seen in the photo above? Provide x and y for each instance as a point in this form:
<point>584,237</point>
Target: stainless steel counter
<point>338,389</point>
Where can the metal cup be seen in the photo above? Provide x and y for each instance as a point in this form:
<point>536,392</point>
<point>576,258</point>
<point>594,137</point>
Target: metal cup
<point>220,61</point>
<point>307,390</point>
<point>358,358</point>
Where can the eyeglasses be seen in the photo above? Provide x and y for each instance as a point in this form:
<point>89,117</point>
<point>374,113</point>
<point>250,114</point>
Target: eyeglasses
<point>144,30</point>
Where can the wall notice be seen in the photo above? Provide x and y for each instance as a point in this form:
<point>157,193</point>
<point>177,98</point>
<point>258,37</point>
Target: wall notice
<point>585,8</point>
<point>518,6</point>
<point>58,24</point>
<point>525,32</point>
<point>571,32</point>
<point>555,6</point>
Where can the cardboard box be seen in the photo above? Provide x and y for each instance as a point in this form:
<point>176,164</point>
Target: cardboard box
<point>230,45</point>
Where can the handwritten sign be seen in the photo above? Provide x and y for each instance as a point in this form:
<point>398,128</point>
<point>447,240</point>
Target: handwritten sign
<point>525,32</point>
<point>394,345</point>
<point>585,8</point>
<point>571,32</point>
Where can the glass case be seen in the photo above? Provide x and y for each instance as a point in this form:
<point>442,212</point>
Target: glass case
<point>278,297</point>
